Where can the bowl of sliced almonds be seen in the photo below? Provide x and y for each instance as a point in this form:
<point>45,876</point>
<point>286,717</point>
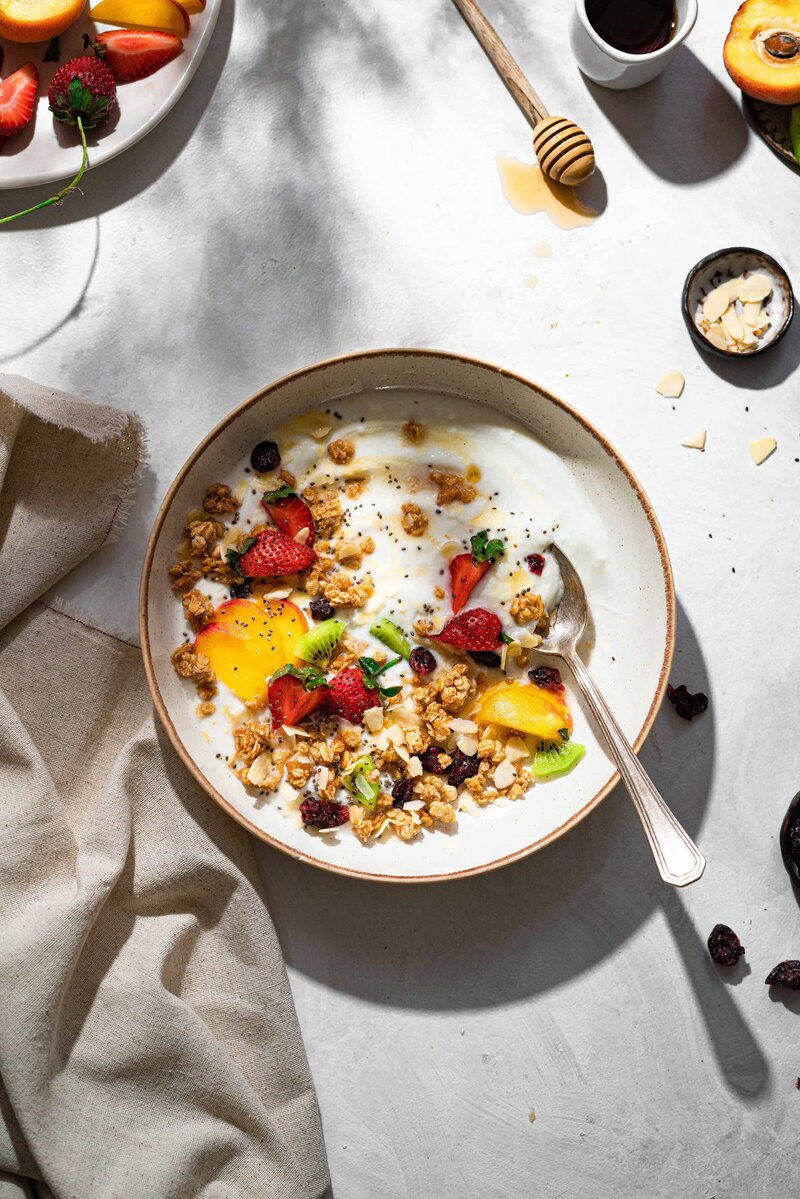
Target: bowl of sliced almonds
<point>737,302</point>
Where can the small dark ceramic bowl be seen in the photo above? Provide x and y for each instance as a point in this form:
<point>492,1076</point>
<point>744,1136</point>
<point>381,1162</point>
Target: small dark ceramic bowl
<point>716,268</point>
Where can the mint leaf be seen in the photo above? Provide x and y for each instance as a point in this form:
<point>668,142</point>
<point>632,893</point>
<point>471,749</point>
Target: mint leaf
<point>564,734</point>
<point>235,556</point>
<point>283,493</point>
<point>484,550</point>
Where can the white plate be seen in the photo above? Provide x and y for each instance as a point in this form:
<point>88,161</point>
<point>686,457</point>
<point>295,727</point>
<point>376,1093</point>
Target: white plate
<point>45,151</point>
<point>633,613</point>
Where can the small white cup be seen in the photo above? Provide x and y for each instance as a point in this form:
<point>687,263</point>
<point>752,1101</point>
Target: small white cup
<point>614,68</point>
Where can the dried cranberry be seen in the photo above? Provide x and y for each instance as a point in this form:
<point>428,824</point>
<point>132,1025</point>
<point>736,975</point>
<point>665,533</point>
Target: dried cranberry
<point>548,677</point>
<point>324,813</point>
<point>402,792</point>
<point>535,563</point>
<point>432,760</point>
<point>462,768</point>
<point>485,657</point>
<point>321,608</point>
<point>724,946</point>
<point>241,590</point>
<point>685,704</point>
<point>421,660</point>
<point>265,456</point>
<point>785,974</point>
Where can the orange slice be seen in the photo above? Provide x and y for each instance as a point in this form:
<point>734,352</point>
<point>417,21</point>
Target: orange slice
<point>37,20</point>
<point>248,640</point>
<point>165,15</point>
<point>526,708</point>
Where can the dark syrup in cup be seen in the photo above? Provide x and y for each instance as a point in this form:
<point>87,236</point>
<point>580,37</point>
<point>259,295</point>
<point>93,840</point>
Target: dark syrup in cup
<point>633,26</point>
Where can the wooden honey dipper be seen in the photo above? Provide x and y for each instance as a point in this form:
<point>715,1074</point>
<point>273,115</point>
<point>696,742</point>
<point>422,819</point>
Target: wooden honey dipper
<point>563,149</point>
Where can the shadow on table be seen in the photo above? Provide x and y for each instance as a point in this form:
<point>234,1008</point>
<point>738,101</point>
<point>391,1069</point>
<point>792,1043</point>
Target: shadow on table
<point>114,182</point>
<point>684,125</point>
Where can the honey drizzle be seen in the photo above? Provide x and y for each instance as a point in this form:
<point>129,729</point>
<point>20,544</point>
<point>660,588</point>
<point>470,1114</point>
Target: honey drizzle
<point>528,191</point>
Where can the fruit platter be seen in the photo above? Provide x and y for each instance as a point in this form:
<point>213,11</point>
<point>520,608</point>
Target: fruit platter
<point>132,60</point>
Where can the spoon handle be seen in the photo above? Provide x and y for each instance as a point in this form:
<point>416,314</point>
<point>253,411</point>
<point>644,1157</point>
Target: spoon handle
<point>678,859</point>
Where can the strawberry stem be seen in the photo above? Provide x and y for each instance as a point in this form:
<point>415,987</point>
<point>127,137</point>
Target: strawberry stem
<point>65,191</point>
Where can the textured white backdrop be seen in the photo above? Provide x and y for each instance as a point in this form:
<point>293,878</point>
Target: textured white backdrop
<point>328,183</point>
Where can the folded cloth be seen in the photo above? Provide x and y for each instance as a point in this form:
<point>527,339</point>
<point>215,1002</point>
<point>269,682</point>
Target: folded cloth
<point>149,1048</point>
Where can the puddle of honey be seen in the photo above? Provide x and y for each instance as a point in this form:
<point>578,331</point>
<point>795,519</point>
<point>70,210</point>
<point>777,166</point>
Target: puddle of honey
<point>528,190</point>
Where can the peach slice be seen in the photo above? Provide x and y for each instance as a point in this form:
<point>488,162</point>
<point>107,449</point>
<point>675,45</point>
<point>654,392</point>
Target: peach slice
<point>526,708</point>
<point>762,50</point>
<point>165,15</point>
<point>37,20</point>
<point>193,6</point>
<point>248,640</point>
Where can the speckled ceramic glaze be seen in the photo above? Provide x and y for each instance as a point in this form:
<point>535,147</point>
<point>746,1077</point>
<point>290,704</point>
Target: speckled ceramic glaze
<point>633,610</point>
<point>771,122</point>
<point>722,265</point>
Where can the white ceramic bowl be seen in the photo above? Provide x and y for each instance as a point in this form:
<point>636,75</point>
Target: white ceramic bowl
<point>633,628</point>
<point>45,151</point>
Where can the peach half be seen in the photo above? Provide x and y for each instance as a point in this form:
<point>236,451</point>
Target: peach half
<point>762,50</point>
<point>248,640</point>
<point>167,16</point>
<point>526,708</point>
<point>37,20</point>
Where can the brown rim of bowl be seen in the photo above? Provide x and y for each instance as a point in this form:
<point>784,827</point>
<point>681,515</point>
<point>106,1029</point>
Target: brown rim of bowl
<point>703,342</point>
<point>398,352</point>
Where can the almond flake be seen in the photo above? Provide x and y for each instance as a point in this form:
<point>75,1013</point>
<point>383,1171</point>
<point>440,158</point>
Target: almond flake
<point>755,287</point>
<point>323,777</point>
<point>414,769</point>
<point>459,725</point>
<point>321,432</point>
<point>504,775</point>
<point>716,302</point>
<point>395,735</point>
<point>467,744</point>
<point>467,804</point>
<point>347,549</point>
<point>403,753</point>
<point>294,730</point>
<point>516,749</point>
<point>672,385</point>
<point>373,719</point>
<point>414,805</point>
<point>302,535</point>
<point>259,769</point>
<point>751,313</point>
<point>696,443</point>
<point>761,448</point>
<point>732,325</point>
<point>281,593</point>
<point>716,335</point>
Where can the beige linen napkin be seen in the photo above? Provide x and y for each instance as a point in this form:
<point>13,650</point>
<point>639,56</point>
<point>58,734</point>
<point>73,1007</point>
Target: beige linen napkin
<point>149,1048</point>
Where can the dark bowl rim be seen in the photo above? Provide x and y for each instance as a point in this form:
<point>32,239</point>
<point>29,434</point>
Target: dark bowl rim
<point>703,342</point>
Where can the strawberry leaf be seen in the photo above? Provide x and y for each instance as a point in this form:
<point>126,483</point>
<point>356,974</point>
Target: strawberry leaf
<point>235,556</point>
<point>283,493</point>
<point>309,676</point>
<point>484,550</point>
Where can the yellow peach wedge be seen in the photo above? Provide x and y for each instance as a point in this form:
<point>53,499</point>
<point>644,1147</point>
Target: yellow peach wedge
<point>248,640</point>
<point>526,708</point>
<point>167,16</point>
<point>193,6</point>
<point>37,20</point>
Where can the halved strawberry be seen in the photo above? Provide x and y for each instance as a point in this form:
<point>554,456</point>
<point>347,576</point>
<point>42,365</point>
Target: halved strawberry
<point>290,513</point>
<point>270,555</point>
<point>293,694</point>
<point>17,99</point>
<point>355,689</point>
<point>132,54</point>
<point>477,630</point>
<point>466,570</point>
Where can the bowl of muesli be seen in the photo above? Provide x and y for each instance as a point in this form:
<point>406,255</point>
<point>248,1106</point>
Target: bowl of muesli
<point>342,600</point>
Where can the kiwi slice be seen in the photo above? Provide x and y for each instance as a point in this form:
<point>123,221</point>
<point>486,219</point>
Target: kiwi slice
<point>556,757</point>
<point>317,645</point>
<point>388,632</point>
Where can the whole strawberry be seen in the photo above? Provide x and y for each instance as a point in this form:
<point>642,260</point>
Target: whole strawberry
<point>83,92</point>
<point>270,555</point>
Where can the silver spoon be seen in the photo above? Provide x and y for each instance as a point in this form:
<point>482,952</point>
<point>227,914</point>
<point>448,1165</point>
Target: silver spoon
<point>678,859</point>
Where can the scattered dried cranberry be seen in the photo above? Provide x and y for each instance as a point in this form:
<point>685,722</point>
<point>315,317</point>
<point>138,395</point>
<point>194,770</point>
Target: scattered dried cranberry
<point>785,974</point>
<point>265,456</point>
<point>485,657</point>
<point>402,792</point>
<point>321,608</point>
<point>241,590</point>
<point>421,660</point>
<point>462,768</point>
<point>685,704</point>
<point>797,1084</point>
<point>548,677</point>
<point>432,760</point>
<point>724,946</point>
<point>535,563</point>
<point>324,813</point>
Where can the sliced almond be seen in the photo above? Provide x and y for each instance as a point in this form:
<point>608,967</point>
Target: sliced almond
<point>459,725</point>
<point>504,775</point>
<point>467,804</point>
<point>373,719</point>
<point>321,432</point>
<point>302,536</point>
<point>467,744</point>
<point>732,324</point>
<point>749,338</point>
<point>696,443</point>
<point>716,335</point>
<point>716,302</point>
<point>323,777</point>
<point>761,448</point>
<point>395,735</point>
<point>516,749</point>
<point>414,805</point>
<point>259,769</point>
<point>414,768</point>
<point>403,753</point>
<point>755,287</point>
<point>672,385</point>
<point>294,730</point>
<point>345,550</point>
<point>751,313</point>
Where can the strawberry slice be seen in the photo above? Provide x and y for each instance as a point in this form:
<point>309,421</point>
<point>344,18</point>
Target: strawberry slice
<point>477,630</point>
<point>270,555</point>
<point>293,694</point>
<point>290,513</point>
<point>467,570</point>
<point>356,689</point>
<point>132,54</point>
<point>17,99</point>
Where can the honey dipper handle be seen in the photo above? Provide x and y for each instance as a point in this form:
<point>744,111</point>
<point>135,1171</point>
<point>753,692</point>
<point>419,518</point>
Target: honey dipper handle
<point>507,67</point>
